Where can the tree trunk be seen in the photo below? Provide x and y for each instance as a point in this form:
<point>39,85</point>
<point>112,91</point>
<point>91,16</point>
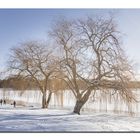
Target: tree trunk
<point>78,106</point>
<point>80,103</point>
<point>49,98</point>
<point>44,102</point>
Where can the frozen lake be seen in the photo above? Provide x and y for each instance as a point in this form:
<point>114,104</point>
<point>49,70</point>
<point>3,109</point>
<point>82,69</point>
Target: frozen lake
<point>23,119</point>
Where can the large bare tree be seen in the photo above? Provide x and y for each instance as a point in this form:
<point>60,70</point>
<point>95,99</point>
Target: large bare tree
<point>92,53</point>
<point>35,60</point>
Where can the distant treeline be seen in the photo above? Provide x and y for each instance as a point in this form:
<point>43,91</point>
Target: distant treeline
<point>28,83</point>
<point>17,83</point>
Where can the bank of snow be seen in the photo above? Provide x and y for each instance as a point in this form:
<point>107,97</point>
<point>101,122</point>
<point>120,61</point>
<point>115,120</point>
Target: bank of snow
<point>34,119</point>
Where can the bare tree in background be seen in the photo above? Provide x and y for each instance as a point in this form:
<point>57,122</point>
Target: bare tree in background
<point>91,53</point>
<point>35,60</point>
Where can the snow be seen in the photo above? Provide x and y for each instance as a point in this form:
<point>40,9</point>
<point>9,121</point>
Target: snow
<point>30,119</point>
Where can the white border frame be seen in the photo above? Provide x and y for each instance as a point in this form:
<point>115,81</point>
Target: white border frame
<point>69,4</point>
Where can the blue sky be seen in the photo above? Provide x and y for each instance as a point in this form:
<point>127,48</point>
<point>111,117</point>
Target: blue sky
<point>17,25</point>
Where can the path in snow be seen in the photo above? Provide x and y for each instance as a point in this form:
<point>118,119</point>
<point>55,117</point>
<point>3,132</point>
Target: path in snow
<point>33,119</point>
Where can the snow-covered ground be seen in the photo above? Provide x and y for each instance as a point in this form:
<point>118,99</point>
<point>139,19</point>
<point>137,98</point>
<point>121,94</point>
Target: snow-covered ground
<point>35,119</point>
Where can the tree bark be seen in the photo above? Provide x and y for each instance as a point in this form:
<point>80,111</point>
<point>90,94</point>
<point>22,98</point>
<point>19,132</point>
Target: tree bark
<point>78,106</point>
<point>80,103</point>
<point>49,98</point>
<point>44,102</point>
